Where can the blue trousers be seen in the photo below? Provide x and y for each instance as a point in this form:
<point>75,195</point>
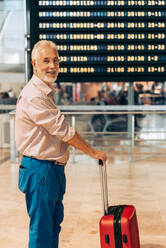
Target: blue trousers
<point>44,186</point>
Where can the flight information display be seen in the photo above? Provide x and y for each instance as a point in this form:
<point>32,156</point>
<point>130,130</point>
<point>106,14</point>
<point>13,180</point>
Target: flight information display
<point>102,40</point>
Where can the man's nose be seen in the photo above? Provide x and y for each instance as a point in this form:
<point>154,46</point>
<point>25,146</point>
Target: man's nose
<point>52,64</point>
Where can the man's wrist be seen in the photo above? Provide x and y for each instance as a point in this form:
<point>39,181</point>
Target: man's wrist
<point>92,152</point>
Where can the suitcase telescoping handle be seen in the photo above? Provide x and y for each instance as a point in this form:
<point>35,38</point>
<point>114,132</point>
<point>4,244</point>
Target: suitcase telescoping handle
<point>104,187</point>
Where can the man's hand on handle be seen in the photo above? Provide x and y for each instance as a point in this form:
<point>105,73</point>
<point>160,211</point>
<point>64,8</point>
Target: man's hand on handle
<point>100,155</point>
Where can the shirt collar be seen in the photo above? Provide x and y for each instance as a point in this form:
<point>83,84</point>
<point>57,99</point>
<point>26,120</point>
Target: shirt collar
<point>42,86</point>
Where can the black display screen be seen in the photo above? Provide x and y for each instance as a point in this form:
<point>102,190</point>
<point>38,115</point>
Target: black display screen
<point>102,41</point>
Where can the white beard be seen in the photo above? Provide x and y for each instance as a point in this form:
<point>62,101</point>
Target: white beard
<point>44,77</point>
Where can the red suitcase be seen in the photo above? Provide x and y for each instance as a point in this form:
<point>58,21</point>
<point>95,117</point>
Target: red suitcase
<point>118,226</point>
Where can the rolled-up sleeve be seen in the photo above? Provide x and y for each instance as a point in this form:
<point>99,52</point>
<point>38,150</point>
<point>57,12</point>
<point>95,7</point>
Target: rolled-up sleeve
<point>46,114</point>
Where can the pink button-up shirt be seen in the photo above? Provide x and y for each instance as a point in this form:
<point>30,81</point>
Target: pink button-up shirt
<point>40,128</point>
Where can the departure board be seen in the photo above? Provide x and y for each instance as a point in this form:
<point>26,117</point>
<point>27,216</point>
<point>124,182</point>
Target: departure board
<point>102,40</point>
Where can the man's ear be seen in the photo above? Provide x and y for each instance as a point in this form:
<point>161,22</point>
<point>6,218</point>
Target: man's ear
<point>33,62</point>
<point>34,65</point>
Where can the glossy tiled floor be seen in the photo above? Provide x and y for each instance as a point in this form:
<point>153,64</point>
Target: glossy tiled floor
<point>135,176</point>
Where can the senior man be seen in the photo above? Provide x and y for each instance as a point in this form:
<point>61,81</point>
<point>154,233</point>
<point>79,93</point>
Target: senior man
<point>43,138</point>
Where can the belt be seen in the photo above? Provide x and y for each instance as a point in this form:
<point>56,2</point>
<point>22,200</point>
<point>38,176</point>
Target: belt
<point>57,163</point>
<point>54,162</point>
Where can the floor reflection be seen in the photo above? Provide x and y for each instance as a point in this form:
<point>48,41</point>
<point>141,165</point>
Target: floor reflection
<point>139,181</point>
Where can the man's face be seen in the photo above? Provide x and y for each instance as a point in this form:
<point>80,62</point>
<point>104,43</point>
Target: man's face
<point>46,65</point>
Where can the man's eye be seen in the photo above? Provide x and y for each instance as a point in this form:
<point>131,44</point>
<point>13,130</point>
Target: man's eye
<point>56,60</point>
<point>46,61</point>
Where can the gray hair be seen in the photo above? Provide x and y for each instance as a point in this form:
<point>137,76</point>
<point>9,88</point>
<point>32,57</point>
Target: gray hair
<point>42,44</point>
